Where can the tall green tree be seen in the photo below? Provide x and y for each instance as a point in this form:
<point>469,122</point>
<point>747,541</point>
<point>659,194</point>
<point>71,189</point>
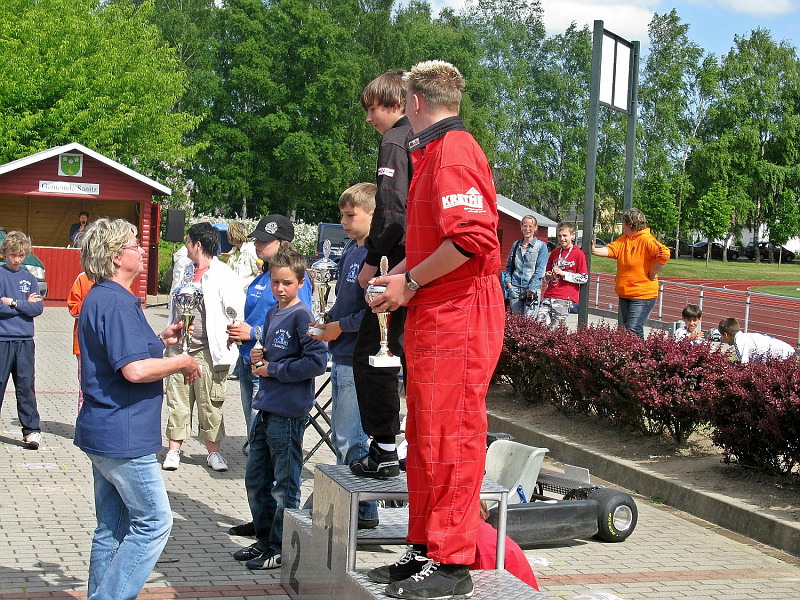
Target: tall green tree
<point>96,73</point>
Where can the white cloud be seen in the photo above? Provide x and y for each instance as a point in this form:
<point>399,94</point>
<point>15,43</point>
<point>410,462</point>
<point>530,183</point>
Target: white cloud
<point>770,8</point>
<point>626,19</point>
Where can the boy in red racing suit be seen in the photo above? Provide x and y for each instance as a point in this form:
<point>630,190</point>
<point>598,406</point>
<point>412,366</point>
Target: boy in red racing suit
<point>453,336</point>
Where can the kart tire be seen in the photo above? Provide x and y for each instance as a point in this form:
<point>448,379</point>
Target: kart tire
<point>616,516</point>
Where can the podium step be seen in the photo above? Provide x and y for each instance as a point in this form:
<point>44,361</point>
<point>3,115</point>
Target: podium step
<point>489,585</point>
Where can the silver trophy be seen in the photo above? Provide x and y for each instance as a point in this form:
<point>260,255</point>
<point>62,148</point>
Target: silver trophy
<point>322,272</point>
<point>187,298</point>
<point>382,358</point>
<point>257,345</point>
<point>231,314</point>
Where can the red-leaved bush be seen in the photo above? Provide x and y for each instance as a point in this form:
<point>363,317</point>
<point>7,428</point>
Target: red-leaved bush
<point>660,386</point>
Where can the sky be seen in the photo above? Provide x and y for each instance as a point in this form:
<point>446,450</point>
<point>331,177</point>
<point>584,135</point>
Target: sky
<point>712,23</point>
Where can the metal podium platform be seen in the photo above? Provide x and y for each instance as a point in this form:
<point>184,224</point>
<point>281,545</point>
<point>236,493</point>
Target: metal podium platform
<point>319,547</point>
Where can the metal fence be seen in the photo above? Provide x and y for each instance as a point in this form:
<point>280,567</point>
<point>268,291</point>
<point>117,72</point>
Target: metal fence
<point>777,316</point>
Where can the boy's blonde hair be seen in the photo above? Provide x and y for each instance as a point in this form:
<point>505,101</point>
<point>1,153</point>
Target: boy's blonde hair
<point>15,242</point>
<point>360,195</point>
<point>288,257</point>
<point>387,90</point>
<point>729,326</point>
<point>565,225</point>
<point>439,83</point>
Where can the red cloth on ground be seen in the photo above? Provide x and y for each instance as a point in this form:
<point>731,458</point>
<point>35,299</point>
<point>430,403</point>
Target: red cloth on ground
<point>486,555</point>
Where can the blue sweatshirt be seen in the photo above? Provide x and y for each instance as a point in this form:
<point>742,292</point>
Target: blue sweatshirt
<point>17,323</point>
<point>349,307</point>
<point>294,358</point>
<point>259,300</point>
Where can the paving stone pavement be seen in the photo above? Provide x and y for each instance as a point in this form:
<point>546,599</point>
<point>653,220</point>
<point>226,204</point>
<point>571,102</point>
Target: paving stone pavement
<point>47,519</point>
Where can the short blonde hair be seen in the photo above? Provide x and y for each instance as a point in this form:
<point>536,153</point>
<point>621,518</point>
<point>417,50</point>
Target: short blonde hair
<point>360,195</point>
<point>16,242</point>
<point>635,219</point>
<point>238,233</point>
<point>439,83</point>
<point>102,242</point>
<point>565,225</point>
<point>386,89</point>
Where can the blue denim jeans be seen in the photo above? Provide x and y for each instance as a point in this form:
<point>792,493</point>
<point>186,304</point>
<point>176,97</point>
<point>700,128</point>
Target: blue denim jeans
<point>635,313</point>
<point>520,303</point>
<point>272,474</point>
<point>133,524</point>
<point>350,443</point>
<point>248,388</point>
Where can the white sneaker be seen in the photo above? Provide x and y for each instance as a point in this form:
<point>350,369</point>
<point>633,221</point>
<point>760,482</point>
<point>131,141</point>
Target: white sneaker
<point>33,440</point>
<point>172,460</point>
<point>217,462</point>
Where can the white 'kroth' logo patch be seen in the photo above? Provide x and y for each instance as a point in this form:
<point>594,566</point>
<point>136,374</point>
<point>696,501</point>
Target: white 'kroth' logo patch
<point>271,227</point>
<point>386,171</point>
<point>472,201</point>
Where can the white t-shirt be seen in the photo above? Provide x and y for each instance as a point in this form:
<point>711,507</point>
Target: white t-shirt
<point>757,346</point>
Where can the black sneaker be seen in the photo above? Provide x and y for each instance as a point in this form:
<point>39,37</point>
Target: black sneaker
<point>434,582</point>
<point>380,464</point>
<point>245,529</point>
<point>249,553</point>
<point>268,560</point>
<point>411,563</point>
<point>367,523</point>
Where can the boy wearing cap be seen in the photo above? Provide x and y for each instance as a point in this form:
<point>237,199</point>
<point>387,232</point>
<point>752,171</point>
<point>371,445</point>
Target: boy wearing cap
<point>384,100</point>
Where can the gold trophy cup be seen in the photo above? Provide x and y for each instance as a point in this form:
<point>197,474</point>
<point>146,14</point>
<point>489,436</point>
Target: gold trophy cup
<point>382,358</point>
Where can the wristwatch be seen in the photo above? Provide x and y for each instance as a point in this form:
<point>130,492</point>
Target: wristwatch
<point>13,303</point>
<point>412,285</point>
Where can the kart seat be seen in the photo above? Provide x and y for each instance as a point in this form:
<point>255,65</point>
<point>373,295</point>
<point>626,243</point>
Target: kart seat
<point>512,465</point>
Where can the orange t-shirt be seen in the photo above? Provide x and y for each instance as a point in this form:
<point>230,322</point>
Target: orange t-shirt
<point>75,298</point>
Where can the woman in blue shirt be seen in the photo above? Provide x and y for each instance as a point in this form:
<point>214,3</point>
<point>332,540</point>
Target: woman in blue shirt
<point>119,426</point>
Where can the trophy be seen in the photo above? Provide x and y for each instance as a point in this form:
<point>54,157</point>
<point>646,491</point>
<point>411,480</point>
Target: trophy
<point>382,358</point>
<point>257,345</point>
<point>322,272</point>
<point>187,297</point>
<point>231,313</point>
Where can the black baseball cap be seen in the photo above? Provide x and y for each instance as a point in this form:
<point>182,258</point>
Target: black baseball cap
<point>273,227</point>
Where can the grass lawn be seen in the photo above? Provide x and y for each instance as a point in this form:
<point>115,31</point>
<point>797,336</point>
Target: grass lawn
<point>792,291</point>
<point>696,268</point>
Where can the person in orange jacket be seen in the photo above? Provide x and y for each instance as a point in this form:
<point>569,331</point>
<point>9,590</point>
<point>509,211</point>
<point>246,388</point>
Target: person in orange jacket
<point>640,257</point>
<point>75,298</point>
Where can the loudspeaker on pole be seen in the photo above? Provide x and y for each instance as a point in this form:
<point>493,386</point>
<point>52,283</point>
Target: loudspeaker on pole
<point>176,221</point>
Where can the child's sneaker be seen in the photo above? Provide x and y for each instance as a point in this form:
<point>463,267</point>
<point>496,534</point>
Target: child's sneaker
<point>172,460</point>
<point>268,560</point>
<point>411,563</point>
<point>33,440</point>
<point>434,581</point>
<point>380,464</point>
<point>217,462</point>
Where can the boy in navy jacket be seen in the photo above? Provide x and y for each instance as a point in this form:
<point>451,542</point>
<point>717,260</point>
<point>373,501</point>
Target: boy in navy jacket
<point>357,204</point>
<point>286,368</point>
<point>20,302</point>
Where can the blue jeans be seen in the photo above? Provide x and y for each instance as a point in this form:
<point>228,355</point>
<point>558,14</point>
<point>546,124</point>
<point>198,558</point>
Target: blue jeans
<point>635,313</point>
<point>520,303</point>
<point>133,524</point>
<point>272,474</point>
<point>350,443</point>
<point>248,388</point>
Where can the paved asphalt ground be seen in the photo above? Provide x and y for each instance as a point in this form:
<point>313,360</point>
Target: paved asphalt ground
<point>47,518</point>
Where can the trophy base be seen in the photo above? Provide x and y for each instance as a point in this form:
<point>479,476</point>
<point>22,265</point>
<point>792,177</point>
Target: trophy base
<point>316,330</point>
<point>384,361</point>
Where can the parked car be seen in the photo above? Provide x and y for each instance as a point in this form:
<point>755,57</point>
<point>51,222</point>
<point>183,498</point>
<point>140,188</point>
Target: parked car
<point>335,233</point>
<point>701,249</point>
<point>767,248</point>
<point>32,263</point>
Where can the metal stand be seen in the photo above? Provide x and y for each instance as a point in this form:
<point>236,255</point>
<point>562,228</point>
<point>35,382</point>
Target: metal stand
<point>320,414</point>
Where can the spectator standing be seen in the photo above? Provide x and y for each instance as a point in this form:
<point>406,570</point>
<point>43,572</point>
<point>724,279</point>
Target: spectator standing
<point>453,333</point>
<point>119,425</point>
<point>79,227</point>
<point>384,99</point>
<point>566,272</point>
<point>525,267</point>
<point>75,297</point>
<point>209,345</point>
<point>753,346</point>
<point>20,303</point>
<point>356,204</point>
<point>286,368</point>
<point>243,259</point>
<point>640,256</point>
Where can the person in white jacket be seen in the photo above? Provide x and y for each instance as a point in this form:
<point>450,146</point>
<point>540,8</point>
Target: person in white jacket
<point>209,346</point>
<point>242,259</point>
<point>752,347</point>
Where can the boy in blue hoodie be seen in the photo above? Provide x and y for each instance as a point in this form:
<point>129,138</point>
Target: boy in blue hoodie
<point>20,302</point>
<point>357,204</point>
<point>287,366</point>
